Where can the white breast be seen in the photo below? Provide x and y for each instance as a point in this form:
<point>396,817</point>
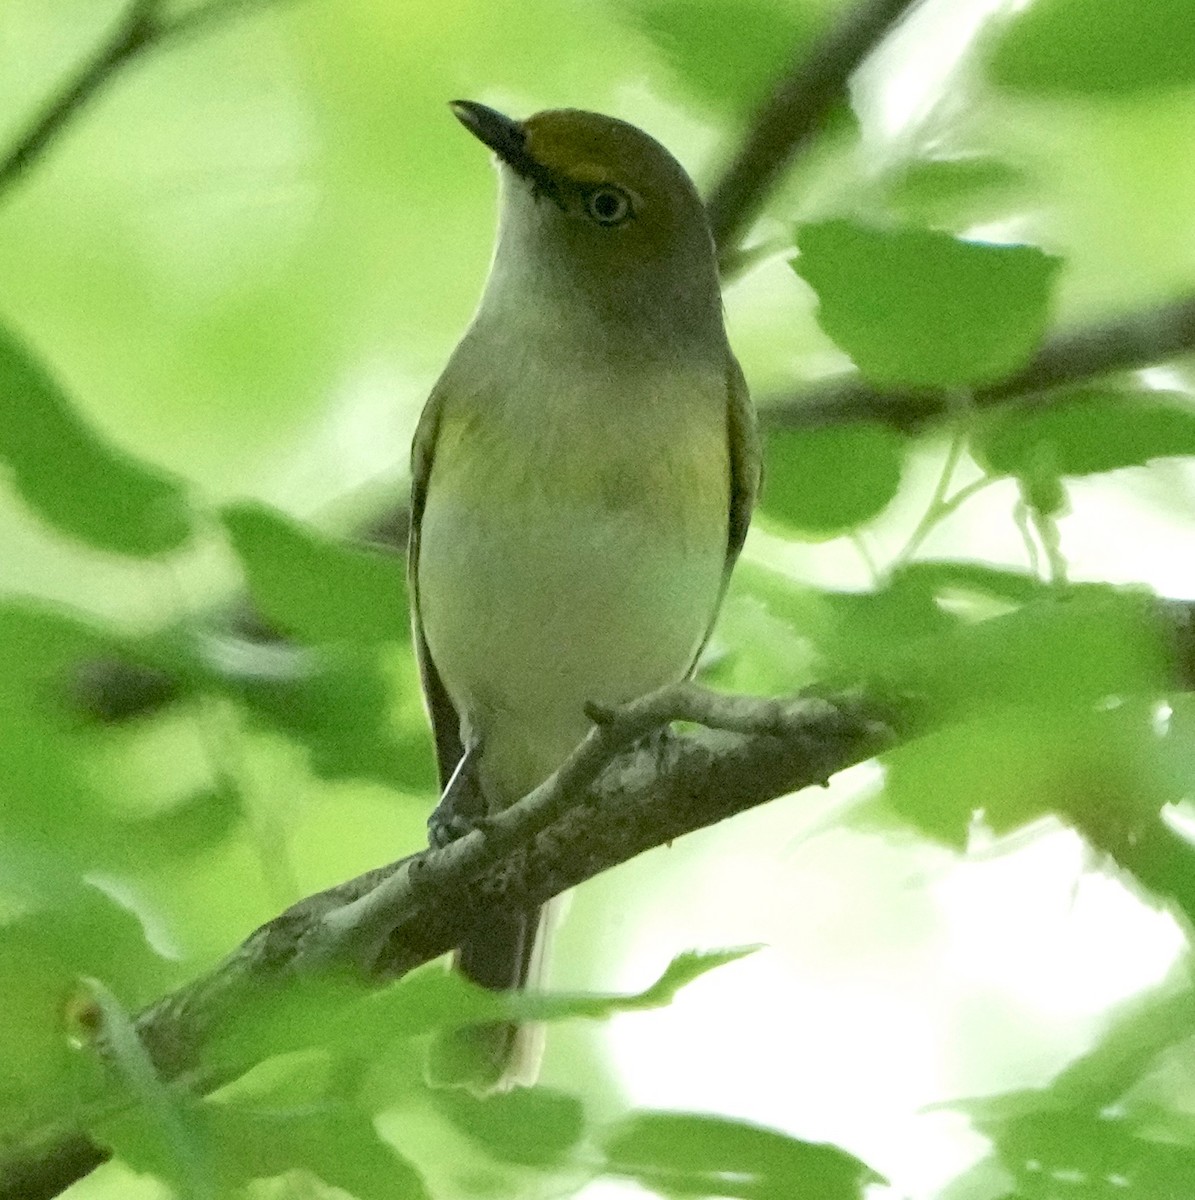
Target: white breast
<point>569,560</point>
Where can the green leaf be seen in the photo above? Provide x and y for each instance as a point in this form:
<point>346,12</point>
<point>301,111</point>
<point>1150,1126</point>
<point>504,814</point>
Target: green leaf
<point>353,707</point>
<point>1008,766</point>
<point>334,1140</point>
<point>855,633</point>
<point>195,824</point>
<point>71,477</point>
<point>931,190</point>
<point>756,651</point>
<point>40,779</point>
<point>166,1118</point>
<point>77,930</point>
<point>316,588</point>
<point>341,707</point>
<point>454,1061</point>
<point>725,53</point>
<point>689,1154</point>
<point>1021,697</point>
<point>535,1127</point>
<point>772,625</point>
<point>436,999</point>
<point>1075,647</point>
<point>240,1142</point>
<point>338,1009</point>
<point>1088,431</point>
<point>915,308</point>
<point>868,627</point>
<point>1088,1149</point>
<point>945,577</point>
<point>821,482</point>
<point>1110,47</point>
<point>1045,743</point>
<point>683,970</point>
<point>1101,1115</point>
<point>54,826</point>
<point>302,1013</point>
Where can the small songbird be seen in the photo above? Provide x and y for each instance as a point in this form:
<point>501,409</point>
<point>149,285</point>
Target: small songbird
<point>583,475</point>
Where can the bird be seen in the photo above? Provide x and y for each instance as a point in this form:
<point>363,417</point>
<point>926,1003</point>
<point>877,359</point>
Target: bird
<point>583,476</point>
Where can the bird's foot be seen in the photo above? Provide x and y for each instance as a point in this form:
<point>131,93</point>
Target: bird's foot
<point>462,807</point>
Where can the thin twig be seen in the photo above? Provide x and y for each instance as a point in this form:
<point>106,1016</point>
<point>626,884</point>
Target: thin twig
<point>140,30</point>
<point>637,798</point>
<point>947,507</point>
<point>357,931</point>
<point>866,557</point>
<point>562,833</point>
<point>130,36</point>
<point>934,510</point>
<point>792,116</point>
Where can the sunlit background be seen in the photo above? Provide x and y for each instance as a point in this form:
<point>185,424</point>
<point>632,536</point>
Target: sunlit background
<point>247,263</point>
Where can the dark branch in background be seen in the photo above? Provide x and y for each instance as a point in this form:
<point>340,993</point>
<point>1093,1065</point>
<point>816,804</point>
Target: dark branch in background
<point>48,1169</point>
<point>142,28</point>
<point>1124,344</point>
<point>792,117</point>
<point>605,805</point>
<point>132,34</point>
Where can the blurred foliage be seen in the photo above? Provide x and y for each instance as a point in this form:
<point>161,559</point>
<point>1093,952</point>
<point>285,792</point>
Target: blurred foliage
<point>313,589</point>
<point>823,482</point>
<point>682,1154</point>
<point>1119,46</point>
<point>917,308</point>
<point>224,293</point>
<point>66,473</point>
<point>1088,431</point>
<point>1108,1125</point>
<point>726,54</point>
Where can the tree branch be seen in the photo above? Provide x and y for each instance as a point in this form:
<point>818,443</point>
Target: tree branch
<point>140,30</point>
<point>607,803</point>
<point>792,116</point>
<point>131,35</point>
<point>46,1170</point>
<point>1126,343</point>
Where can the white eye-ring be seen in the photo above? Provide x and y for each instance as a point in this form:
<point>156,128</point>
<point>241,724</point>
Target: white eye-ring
<point>608,205</point>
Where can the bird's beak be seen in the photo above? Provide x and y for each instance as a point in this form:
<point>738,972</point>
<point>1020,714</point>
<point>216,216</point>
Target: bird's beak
<point>508,140</point>
<point>502,134</point>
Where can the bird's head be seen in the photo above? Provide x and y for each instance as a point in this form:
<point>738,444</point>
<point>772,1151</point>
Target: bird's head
<point>596,211</point>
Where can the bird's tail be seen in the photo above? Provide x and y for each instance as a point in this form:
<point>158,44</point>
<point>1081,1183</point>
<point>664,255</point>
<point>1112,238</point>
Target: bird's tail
<point>504,953</point>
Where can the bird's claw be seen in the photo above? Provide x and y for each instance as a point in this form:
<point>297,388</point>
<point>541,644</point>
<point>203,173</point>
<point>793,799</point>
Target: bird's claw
<point>462,807</point>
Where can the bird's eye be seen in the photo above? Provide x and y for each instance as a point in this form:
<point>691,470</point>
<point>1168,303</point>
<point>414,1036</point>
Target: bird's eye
<point>608,205</point>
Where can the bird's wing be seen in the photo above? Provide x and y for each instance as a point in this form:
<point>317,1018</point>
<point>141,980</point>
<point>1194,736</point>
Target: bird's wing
<point>746,473</point>
<point>746,461</point>
<point>444,718</point>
